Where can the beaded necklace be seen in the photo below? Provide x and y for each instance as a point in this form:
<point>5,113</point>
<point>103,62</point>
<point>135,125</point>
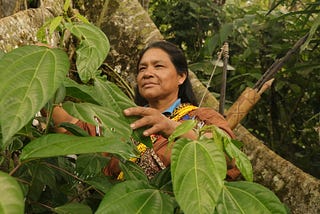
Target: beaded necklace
<point>181,111</point>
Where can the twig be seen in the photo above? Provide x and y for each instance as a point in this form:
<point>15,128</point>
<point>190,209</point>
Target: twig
<point>212,73</point>
<point>278,64</point>
<point>225,53</point>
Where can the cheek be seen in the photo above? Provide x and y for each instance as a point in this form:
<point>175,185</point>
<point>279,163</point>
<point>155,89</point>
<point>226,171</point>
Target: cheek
<point>138,79</point>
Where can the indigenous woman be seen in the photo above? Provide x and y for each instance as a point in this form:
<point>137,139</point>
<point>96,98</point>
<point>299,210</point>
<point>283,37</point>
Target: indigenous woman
<point>165,98</point>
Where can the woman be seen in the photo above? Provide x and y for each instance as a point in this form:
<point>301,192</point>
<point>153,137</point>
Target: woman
<point>165,98</point>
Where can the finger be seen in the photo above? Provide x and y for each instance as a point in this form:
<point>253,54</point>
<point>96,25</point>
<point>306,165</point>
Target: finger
<point>155,129</point>
<point>139,111</point>
<point>144,121</point>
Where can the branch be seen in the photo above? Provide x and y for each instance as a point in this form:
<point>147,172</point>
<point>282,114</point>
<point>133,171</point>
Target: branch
<point>278,64</point>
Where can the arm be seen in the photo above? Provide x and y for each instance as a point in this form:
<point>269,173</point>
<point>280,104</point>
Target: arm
<point>59,115</point>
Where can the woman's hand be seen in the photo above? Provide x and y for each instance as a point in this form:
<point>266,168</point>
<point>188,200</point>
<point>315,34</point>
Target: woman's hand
<point>154,121</point>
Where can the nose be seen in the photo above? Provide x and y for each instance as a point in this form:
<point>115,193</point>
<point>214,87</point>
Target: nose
<point>147,73</point>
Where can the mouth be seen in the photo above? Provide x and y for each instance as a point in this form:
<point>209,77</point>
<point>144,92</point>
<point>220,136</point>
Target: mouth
<point>148,84</point>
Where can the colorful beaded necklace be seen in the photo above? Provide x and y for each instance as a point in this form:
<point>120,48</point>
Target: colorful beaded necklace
<point>182,111</point>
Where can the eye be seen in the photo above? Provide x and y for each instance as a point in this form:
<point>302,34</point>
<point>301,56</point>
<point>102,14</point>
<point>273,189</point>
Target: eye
<point>158,66</point>
<point>142,68</point>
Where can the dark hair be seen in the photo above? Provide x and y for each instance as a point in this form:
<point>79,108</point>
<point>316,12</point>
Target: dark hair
<point>179,61</point>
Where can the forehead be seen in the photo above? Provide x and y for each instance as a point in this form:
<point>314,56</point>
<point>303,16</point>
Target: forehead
<point>154,55</point>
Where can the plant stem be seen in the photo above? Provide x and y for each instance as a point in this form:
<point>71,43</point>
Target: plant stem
<point>15,169</point>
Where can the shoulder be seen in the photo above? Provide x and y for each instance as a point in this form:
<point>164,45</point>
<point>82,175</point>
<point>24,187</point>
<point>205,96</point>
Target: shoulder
<point>211,117</point>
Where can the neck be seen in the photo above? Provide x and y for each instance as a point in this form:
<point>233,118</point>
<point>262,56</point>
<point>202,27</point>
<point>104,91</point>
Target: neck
<point>162,105</point>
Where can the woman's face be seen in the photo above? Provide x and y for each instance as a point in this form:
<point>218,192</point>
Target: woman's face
<point>157,77</point>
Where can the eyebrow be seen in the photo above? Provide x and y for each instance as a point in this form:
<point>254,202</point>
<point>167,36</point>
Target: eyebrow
<point>152,62</point>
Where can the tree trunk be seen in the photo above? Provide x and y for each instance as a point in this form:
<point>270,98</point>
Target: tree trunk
<point>21,28</point>
<point>129,28</point>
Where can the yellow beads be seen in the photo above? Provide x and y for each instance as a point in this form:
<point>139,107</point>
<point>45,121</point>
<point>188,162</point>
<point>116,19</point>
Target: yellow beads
<point>182,110</point>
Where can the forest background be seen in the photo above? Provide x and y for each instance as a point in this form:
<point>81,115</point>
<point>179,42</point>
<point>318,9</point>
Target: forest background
<point>287,117</point>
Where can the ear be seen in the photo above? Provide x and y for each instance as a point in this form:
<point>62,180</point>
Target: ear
<point>182,78</point>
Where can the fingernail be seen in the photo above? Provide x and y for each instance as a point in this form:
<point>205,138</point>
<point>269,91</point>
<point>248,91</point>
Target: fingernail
<point>145,133</point>
<point>132,125</point>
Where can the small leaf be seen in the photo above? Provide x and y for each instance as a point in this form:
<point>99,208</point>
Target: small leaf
<point>247,197</point>
<point>135,197</point>
<point>183,128</point>
<point>73,208</point>
<point>29,77</point>
<point>66,5</point>
<point>82,18</point>
<point>242,161</point>
<point>198,170</point>
<point>54,24</point>
<point>11,199</point>
<point>61,144</point>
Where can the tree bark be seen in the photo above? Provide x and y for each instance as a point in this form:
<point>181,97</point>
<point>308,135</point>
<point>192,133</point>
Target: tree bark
<point>21,28</point>
<point>129,28</point>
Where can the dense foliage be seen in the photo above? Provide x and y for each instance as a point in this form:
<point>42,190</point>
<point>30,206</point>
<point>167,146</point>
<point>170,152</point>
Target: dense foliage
<point>42,171</point>
<point>287,117</point>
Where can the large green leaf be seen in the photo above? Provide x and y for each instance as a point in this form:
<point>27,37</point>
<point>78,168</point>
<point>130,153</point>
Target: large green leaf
<point>135,197</point>
<point>109,121</point>
<point>29,77</point>
<point>247,197</point>
<point>198,169</point>
<point>109,95</point>
<point>61,144</point>
<point>93,49</point>
<point>11,199</point>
